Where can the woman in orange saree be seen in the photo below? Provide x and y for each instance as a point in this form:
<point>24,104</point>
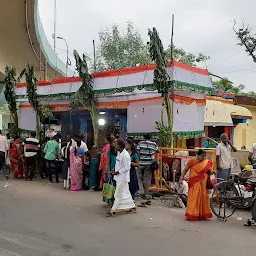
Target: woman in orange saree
<point>198,205</point>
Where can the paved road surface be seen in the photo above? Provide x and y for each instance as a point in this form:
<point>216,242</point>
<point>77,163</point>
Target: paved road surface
<point>39,219</point>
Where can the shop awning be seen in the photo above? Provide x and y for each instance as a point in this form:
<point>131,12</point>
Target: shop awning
<point>238,112</point>
<point>218,113</point>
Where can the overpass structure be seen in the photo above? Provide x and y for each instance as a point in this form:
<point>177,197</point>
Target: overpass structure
<point>23,40</point>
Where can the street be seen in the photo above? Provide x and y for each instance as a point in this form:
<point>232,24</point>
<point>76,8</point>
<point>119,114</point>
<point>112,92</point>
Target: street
<point>40,219</point>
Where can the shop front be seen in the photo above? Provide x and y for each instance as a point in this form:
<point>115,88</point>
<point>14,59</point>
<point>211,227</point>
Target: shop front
<point>69,122</point>
<point>222,116</point>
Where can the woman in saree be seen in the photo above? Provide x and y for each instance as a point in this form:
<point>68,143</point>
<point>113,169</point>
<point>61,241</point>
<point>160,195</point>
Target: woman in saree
<point>111,158</point>
<point>198,205</point>
<point>133,185</point>
<point>94,159</point>
<point>103,161</point>
<point>16,159</point>
<point>76,167</point>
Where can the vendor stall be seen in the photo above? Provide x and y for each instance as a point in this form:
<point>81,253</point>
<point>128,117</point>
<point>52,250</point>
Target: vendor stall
<point>132,90</point>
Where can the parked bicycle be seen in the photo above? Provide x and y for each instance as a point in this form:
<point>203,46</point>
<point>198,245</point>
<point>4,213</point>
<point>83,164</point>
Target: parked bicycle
<point>238,193</point>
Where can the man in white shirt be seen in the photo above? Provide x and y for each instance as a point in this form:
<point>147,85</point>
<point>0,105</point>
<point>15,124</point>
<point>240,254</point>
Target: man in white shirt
<point>77,138</point>
<point>224,157</point>
<point>3,150</point>
<point>123,199</point>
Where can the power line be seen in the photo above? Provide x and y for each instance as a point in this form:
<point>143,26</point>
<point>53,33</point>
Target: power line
<point>241,70</point>
<point>244,75</point>
<point>226,58</point>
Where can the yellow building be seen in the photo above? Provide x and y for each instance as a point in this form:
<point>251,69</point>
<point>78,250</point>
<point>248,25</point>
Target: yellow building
<point>224,116</point>
<point>245,133</point>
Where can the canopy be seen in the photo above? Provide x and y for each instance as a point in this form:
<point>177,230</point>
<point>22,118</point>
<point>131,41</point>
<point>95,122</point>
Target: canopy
<point>239,112</point>
<point>218,113</point>
<point>133,88</point>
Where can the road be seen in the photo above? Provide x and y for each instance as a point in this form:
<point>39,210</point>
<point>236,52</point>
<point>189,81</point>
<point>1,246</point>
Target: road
<point>41,219</point>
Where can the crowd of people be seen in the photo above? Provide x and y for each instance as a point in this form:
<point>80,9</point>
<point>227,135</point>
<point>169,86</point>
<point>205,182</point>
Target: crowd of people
<point>80,168</point>
<point>127,165</point>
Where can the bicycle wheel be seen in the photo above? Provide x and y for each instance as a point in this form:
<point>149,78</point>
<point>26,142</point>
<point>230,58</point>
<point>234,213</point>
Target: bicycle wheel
<point>221,203</point>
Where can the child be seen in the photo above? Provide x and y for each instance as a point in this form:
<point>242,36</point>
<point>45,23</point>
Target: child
<point>180,193</point>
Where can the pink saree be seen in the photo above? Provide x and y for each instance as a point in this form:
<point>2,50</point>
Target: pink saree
<point>75,171</point>
<point>103,164</point>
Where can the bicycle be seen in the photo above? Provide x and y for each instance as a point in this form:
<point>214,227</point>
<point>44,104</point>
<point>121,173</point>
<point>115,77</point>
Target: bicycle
<point>228,196</point>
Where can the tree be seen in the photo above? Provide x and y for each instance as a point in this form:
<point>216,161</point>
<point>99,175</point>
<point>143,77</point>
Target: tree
<point>185,57</point>
<point>226,85</point>
<point>32,95</point>
<point>85,96</point>
<point>10,96</point>
<point>161,78</point>
<point>247,39</point>
<point>117,50</point>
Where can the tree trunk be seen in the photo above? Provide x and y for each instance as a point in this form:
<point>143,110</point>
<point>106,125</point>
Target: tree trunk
<point>168,105</point>
<point>37,126</point>
<point>15,120</point>
<point>95,125</point>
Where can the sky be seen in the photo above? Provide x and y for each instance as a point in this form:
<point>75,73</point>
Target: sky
<point>200,26</point>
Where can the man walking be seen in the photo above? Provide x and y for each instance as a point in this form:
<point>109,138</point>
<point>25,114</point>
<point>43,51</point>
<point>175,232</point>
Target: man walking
<point>224,157</point>
<point>31,146</point>
<point>123,199</point>
<point>146,150</point>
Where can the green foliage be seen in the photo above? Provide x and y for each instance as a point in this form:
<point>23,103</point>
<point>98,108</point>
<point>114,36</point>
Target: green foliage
<point>33,99</point>
<point>45,111</point>
<point>165,133</point>
<point>158,55</point>
<point>185,57</point>
<point>161,78</point>
<point>31,81</point>
<point>119,50</point>
<point>85,96</point>
<point>10,85</point>
<point>10,96</point>
<point>225,84</point>
<point>251,94</point>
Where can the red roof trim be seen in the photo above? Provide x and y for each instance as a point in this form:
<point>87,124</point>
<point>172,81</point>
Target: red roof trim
<point>121,72</point>
<point>39,83</point>
<point>199,71</point>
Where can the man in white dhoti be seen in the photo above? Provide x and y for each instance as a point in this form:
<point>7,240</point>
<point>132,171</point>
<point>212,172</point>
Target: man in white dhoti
<point>123,199</point>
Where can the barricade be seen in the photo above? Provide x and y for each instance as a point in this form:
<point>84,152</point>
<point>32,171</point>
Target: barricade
<point>172,162</point>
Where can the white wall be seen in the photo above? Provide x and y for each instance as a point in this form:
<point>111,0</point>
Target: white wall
<point>5,120</point>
